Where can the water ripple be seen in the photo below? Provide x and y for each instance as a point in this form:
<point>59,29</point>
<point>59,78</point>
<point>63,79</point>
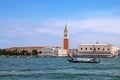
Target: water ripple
<point>58,69</point>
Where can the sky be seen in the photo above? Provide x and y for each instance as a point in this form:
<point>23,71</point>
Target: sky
<point>42,22</point>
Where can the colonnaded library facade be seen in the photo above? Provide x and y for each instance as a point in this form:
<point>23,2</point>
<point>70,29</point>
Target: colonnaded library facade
<point>97,50</point>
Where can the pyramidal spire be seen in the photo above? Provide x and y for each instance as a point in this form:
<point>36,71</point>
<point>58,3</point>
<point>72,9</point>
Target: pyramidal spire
<point>66,27</point>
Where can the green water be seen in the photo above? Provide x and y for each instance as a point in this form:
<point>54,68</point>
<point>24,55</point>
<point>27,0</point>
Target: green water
<point>58,69</point>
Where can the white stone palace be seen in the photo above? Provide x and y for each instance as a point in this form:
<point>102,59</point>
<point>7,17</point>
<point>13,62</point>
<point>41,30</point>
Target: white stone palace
<point>97,50</point>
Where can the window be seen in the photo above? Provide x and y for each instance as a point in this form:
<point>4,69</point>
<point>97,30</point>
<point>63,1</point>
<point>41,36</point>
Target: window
<point>98,48</point>
<point>85,48</point>
<point>76,50</point>
<point>90,48</point>
<point>108,49</point>
<point>103,49</point>
<point>65,35</point>
<point>81,48</point>
<point>94,49</point>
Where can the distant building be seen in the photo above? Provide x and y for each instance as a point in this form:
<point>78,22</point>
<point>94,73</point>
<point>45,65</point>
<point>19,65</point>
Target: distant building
<point>29,49</point>
<point>97,50</point>
<point>118,53</point>
<point>53,52</point>
<point>48,52</point>
<point>62,52</point>
<point>73,52</point>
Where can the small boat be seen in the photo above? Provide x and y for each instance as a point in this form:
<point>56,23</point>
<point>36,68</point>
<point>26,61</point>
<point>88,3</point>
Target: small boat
<point>83,60</point>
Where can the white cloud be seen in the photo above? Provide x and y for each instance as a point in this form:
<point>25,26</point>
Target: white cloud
<point>91,23</point>
<point>107,25</point>
<point>79,30</point>
<point>52,27</point>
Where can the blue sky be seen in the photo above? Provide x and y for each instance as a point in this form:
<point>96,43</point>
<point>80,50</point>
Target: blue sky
<point>41,22</point>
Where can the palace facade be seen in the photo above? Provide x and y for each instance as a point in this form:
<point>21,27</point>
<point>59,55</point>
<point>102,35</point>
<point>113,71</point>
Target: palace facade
<point>97,50</point>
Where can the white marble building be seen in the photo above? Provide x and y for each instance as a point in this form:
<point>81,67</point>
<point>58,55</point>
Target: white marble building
<point>55,52</point>
<point>97,50</point>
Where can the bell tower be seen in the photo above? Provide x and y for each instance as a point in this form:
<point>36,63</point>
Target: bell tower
<point>66,39</point>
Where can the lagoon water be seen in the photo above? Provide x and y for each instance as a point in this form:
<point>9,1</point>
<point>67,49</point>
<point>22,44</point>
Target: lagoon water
<point>58,69</point>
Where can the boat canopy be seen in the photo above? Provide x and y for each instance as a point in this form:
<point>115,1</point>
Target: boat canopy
<point>84,59</point>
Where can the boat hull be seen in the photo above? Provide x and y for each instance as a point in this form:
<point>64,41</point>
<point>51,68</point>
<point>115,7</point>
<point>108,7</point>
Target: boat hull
<point>77,61</point>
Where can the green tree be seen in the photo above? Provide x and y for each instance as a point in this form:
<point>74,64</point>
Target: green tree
<point>0,51</point>
<point>24,52</point>
<point>4,52</point>
<point>34,52</point>
<point>15,52</point>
